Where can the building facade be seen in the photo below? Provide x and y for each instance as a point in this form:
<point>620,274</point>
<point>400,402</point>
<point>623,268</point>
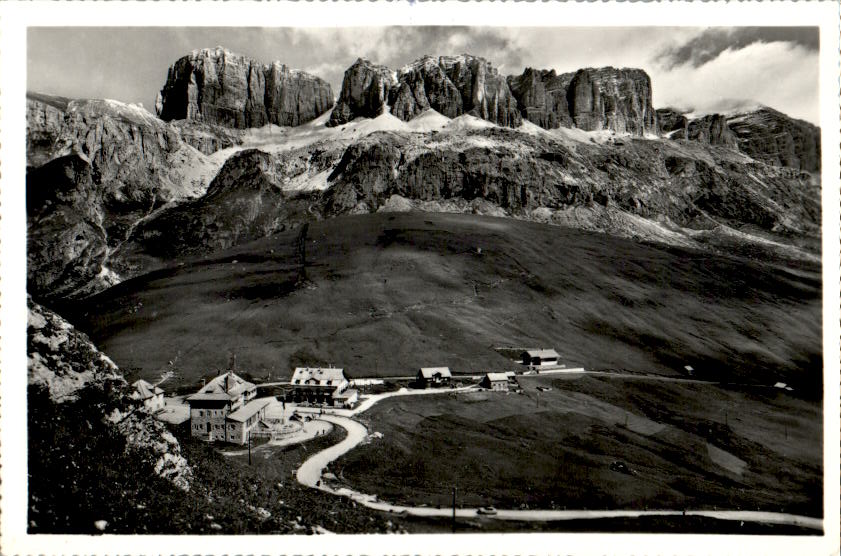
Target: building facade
<point>434,377</point>
<point>245,419</point>
<point>319,386</point>
<point>495,381</point>
<point>214,402</point>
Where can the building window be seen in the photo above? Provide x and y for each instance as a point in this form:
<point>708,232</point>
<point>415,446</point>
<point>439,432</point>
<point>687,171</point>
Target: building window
<point>201,413</point>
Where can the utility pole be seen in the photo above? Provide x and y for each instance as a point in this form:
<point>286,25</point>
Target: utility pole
<point>454,509</point>
<point>249,447</point>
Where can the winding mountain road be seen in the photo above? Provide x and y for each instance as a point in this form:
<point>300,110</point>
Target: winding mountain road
<point>309,474</point>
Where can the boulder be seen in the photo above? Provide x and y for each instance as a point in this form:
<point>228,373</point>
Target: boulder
<point>219,87</point>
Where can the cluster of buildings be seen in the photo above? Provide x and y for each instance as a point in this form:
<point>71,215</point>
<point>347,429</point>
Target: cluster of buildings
<point>225,409</point>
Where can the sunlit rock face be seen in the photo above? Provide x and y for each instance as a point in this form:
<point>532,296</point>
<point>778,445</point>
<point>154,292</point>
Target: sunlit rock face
<point>219,87</point>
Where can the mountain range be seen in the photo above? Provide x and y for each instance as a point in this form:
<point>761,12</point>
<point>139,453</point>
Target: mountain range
<point>239,150</point>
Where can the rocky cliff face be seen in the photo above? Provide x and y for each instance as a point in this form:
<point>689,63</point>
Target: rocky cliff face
<point>218,87</point>
<point>614,99</point>
<point>607,187</point>
<point>68,368</point>
<point>763,134</point>
<point>451,85</point>
<point>365,92</point>
<point>254,195</point>
<point>670,121</point>
<point>66,241</point>
<point>455,85</point>
<point>542,97</point>
<point>95,168</point>
<point>773,137</point>
<point>711,130</point>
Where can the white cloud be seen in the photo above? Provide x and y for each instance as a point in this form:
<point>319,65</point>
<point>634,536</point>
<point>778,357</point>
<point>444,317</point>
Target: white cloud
<point>778,74</point>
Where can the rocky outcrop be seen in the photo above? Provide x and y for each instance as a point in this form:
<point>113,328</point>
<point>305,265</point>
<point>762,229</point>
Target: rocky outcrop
<point>671,122</point>
<point>254,195</point>
<point>218,87</point>
<point>365,92</point>
<point>711,130</point>
<point>451,85</point>
<point>773,137</point>
<point>542,97</point>
<point>207,138</point>
<point>96,167</point>
<point>614,99</point>
<point>66,242</point>
<point>63,363</point>
<point>690,185</point>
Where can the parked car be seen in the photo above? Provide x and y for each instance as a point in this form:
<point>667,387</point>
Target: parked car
<point>487,510</point>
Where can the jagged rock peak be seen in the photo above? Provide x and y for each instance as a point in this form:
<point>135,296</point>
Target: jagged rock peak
<point>216,86</point>
<point>451,85</point>
<point>365,90</point>
<point>455,85</point>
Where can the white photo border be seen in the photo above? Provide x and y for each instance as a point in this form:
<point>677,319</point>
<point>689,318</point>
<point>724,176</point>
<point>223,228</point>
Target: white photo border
<point>17,17</point>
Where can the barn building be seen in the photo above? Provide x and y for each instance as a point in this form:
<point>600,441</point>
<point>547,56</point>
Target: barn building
<point>434,376</point>
<point>322,386</point>
<point>495,381</point>
<point>151,396</point>
<point>210,406</point>
<point>539,357</point>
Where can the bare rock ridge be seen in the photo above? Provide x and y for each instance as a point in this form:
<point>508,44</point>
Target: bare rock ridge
<point>763,134</point>
<point>774,138</point>
<point>218,87</point>
<point>590,99</point>
<point>451,85</point>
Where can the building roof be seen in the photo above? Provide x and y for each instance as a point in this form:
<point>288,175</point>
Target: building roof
<point>542,353</point>
<point>228,386</point>
<point>318,376</point>
<point>347,394</point>
<point>146,390</point>
<point>429,372</point>
<point>511,374</point>
<point>497,377</point>
<point>248,410</point>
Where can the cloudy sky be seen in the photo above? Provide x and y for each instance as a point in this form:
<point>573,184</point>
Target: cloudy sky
<point>704,69</point>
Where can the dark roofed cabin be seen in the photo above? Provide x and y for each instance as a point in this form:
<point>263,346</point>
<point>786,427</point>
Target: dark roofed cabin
<point>539,357</point>
<point>434,376</point>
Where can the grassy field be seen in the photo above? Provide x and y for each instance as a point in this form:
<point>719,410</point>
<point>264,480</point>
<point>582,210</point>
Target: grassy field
<point>681,446</point>
<point>388,293</point>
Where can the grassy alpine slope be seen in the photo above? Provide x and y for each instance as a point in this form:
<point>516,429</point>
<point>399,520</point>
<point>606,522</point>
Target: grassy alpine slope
<point>682,445</point>
<point>387,293</point>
